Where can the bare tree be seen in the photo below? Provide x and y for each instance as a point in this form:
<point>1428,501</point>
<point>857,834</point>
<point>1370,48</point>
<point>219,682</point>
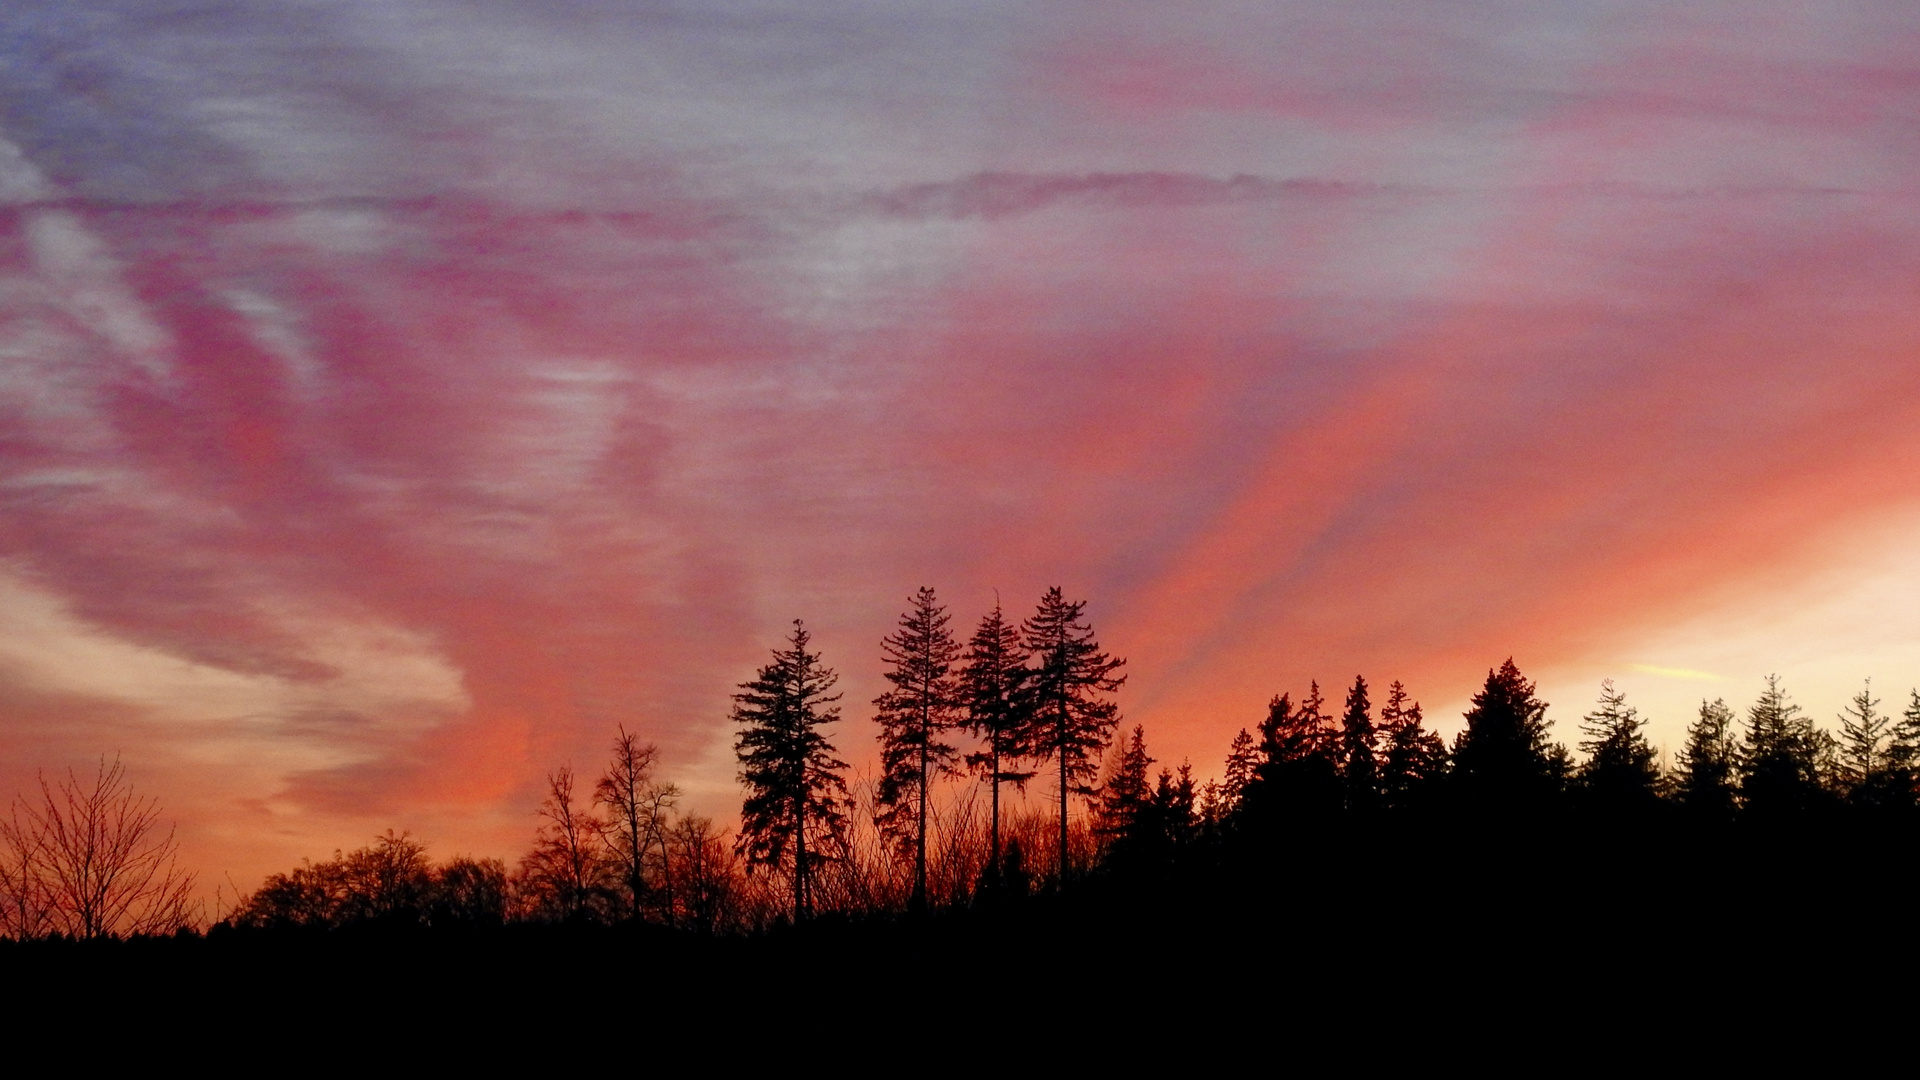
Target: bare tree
<point>91,861</point>
<point>566,872</point>
<point>26,911</point>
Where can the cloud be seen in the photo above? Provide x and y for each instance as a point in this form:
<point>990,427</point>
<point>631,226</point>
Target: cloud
<point>392,411</point>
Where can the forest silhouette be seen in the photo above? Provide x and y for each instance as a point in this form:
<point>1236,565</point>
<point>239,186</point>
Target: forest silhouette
<point>1332,830</point>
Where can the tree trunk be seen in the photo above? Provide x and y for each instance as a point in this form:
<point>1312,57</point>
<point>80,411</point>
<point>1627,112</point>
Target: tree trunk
<point>920,848</point>
<point>1060,751</point>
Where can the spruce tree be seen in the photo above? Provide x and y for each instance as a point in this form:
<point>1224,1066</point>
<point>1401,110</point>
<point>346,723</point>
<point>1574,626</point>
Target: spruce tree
<point>1903,756</point>
<point>1710,762</point>
<point>1779,755</point>
<point>1358,739</point>
<point>1503,759</point>
<point>1414,757</point>
<point>795,791</point>
<point>1865,750</point>
<point>1124,793</point>
<point>1621,773</point>
<point>994,685</point>
<point>914,717</point>
<point>1241,759</point>
<point>1073,719</point>
<point>1298,768</point>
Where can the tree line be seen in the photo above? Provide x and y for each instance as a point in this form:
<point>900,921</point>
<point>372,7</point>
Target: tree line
<point>1018,702</point>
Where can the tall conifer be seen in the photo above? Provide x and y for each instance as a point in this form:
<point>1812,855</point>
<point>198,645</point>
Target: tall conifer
<point>1359,767</point>
<point>1866,750</point>
<point>1779,755</point>
<point>1503,758</point>
<point>1414,756</point>
<point>795,791</point>
<point>994,685</point>
<point>914,717</point>
<point>1709,763</point>
<point>1073,719</point>
<point>1621,773</point>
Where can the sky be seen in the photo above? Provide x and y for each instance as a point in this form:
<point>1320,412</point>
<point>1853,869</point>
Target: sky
<point>397,397</point>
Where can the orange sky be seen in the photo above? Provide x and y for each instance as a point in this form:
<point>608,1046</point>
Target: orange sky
<point>398,398</point>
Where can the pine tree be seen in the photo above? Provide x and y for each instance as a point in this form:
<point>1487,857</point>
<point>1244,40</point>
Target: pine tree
<point>795,790</point>
<point>1779,755</point>
<point>1710,762</point>
<point>1125,792</point>
<point>1298,769</point>
<point>1241,760</point>
<point>1903,756</point>
<point>1504,759</point>
<point>1175,806</point>
<point>1414,757</point>
<point>914,716</point>
<point>1866,750</point>
<point>1621,773</point>
<point>993,684</point>
<point>1072,718</point>
<point>1359,767</point>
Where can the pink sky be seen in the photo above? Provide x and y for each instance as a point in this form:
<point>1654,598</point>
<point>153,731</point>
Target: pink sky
<point>397,397</point>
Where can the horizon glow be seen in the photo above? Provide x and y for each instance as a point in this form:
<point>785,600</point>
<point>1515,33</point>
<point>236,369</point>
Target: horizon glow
<point>398,396</point>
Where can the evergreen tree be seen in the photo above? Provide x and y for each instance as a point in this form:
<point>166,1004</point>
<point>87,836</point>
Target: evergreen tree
<point>1866,751</point>
<point>1298,769</point>
<point>1072,717</point>
<point>1415,757</point>
<point>1124,794</point>
<point>1175,806</point>
<point>1165,823</point>
<point>795,791</point>
<point>1779,755</point>
<point>1360,769</point>
<point>993,684</point>
<point>914,716</point>
<point>1621,773</point>
<point>1241,760</point>
<point>1504,759</point>
<point>1778,770</point>
<point>1710,762</point>
<point>1903,756</point>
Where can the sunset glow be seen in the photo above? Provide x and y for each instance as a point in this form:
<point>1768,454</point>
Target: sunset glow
<point>396,397</point>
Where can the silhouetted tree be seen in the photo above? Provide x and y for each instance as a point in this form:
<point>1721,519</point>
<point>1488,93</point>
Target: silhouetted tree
<point>1171,819</point>
<point>1865,751</point>
<point>1621,773</point>
<point>1504,758</point>
<point>567,873</point>
<point>1779,755</point>
<point>390,881</point>
<point>1126,789</point>
<point>1298,770</point>
<point>994,685</point>
<point>1708,781</point>
<point>706,873</point>
<point>90,860</point>
<point>1359,768</point>
<point>795,790</point>
<point>914,717</point>
<point>1073,719</point>
<point>1242,759</point>
<point>469,892</point>
<point>1414,758</point>
<point>637,810</point>
<point>1903,755</point>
